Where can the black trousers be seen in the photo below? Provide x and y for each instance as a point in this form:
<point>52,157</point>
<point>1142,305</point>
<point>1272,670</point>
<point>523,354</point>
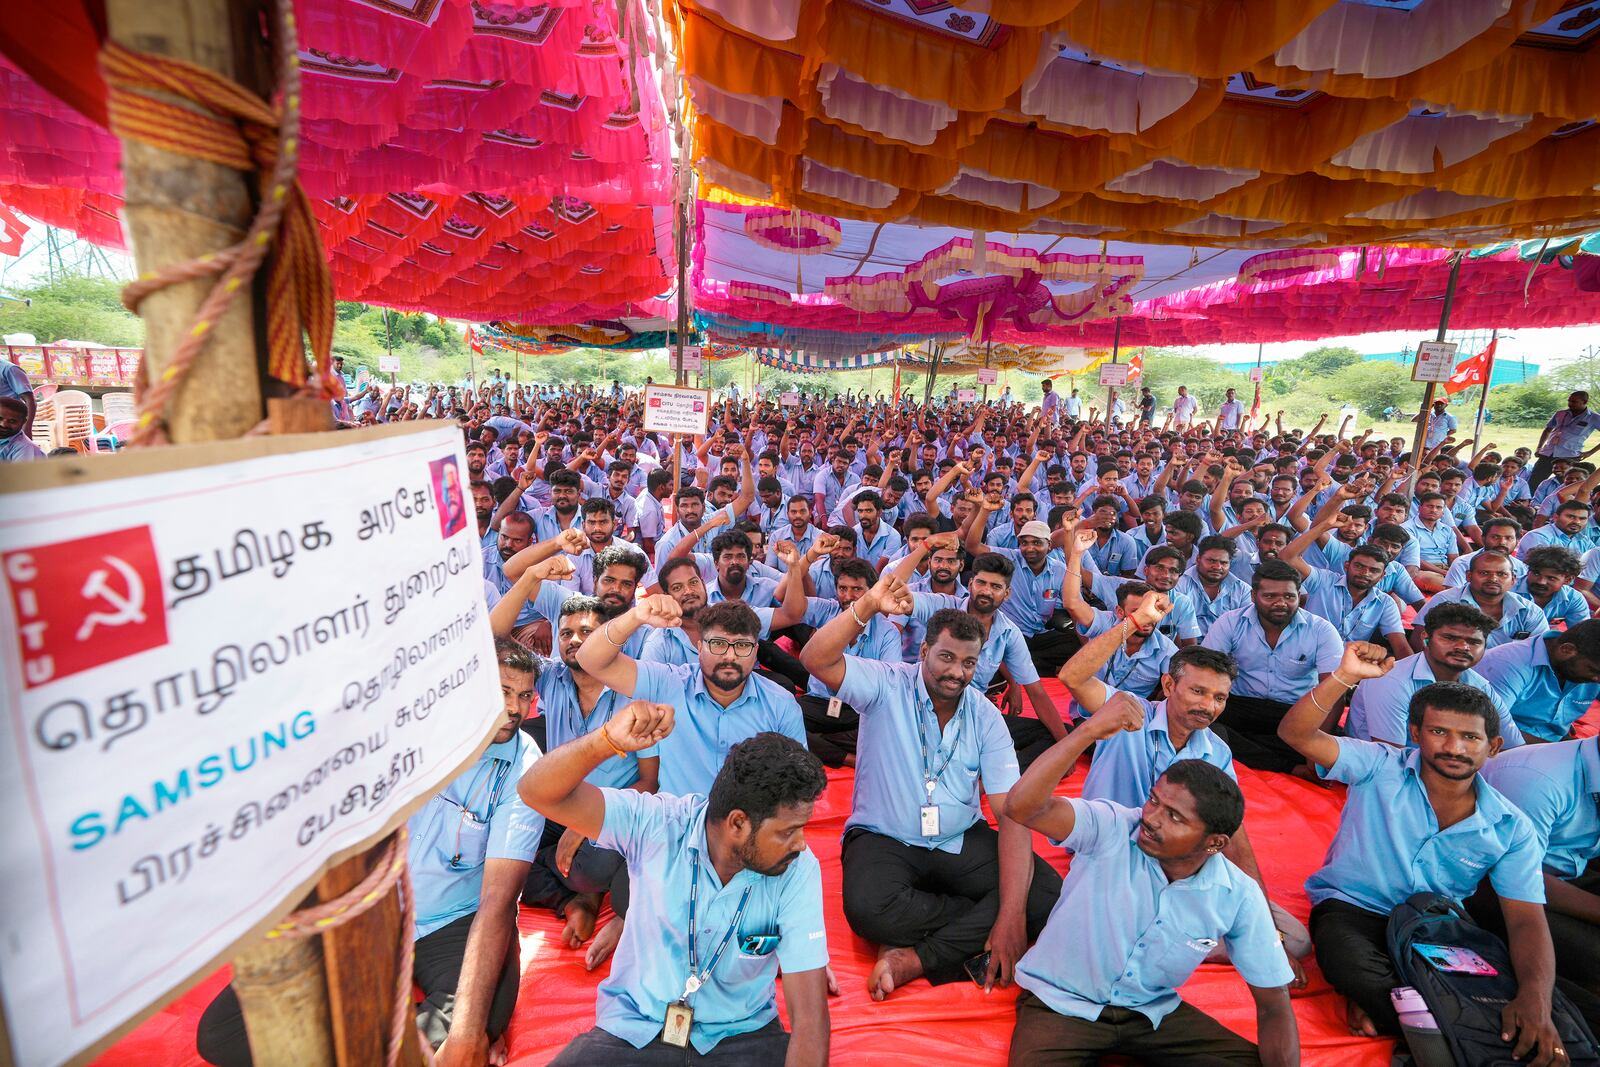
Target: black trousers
<point>1250,726</point>
<point>436,967</point>
<point>1187,1037</point>
<point>1577,942</point>
<point>765,1047</point>
<point>941,904</point>
<point>829,739</point>
<point>1029,737</point>
<point>782,667</point>
<point>1353,951</point>
<point>1052,648</point>
<point>594,870</point>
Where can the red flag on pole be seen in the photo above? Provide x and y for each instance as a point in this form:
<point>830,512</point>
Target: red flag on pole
<point>1136,366</point>
<point>473,341</point>
<point>1255,405</point>
<point>1471,371</point>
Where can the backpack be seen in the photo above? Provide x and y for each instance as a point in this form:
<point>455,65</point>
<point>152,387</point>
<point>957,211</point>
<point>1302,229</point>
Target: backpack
<point>1467,1006</point>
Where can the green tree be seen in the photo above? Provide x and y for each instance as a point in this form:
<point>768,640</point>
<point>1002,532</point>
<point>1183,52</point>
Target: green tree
<point>77,309</point>
<point>1372,387</point>
<point>1529,403</point>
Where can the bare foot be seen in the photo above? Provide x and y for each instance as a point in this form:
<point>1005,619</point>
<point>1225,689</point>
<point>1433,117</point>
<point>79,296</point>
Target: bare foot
<point>605,943</point>
<point>498,1053</point>
<point>581,911</point>
<point>1360,1022</point>
<point>850,759</point>
<point>895,967</point>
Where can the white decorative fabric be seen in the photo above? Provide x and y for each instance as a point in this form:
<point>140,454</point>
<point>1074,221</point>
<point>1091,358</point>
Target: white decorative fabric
<point>1409,146</point>
<point>734,181</point>
<point>879,108</point>
<point>1429,204</point>
<point>845,187</point>
<point>1354,38</point>
<point>1215,225</point>
<point>775,20</point>
<point>1073,91</point>
<point>1002,193</point>
<point>754,116</point>
<point>1173,179</point>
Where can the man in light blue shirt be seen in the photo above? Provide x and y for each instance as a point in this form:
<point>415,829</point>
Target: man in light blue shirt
<point>15,444</point>
<point>930,747</point>
<point>1455,638</point>
<point>1568,528</point>
<point>1565,435</point>
<point>1281,651</point>
<point>832,723</point>
<point>1488,589</point>
<point>1035,593</point>
<point>1555,787</point>
<point>1499,533</point>
<point>876,541</point>
<point>728,895</point>
<point>1548,583</point>
<point>1419,821</point>
<point>1441,424</point>
<point>471,846</point>
<point>1549,681</point>
<point>798,531</point>
<point>1156,895</point>
<point>1210,584</point>
<point>1349,600</point>
<point>1229,414</point>
<point>720,700</point>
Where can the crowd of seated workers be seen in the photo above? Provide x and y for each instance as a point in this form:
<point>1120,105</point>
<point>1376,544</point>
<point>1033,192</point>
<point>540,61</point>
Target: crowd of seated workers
<point>704,625</point>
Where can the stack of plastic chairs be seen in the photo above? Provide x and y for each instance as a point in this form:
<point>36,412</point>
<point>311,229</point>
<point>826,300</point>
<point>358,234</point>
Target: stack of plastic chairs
<point>118,412</point>
<point>74,418</point>
<point>44,423</point>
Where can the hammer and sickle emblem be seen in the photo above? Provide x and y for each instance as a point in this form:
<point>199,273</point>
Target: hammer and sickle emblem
<point>126,606</point>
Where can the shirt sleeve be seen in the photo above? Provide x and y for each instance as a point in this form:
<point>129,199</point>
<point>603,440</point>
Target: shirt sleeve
<point>1253,944</point>
<point>997,753</point>
<point>659,683</point>
<point>1330,646</point>
<point>1358,761</point>
<point>515,829</point>
<point>865,682</point>
<point>1220,638</point>
<point>1095,824</point>
<point>1017,658</point>
<point>803,940</point>
<point>632,818</point>
<point>1519,874</point>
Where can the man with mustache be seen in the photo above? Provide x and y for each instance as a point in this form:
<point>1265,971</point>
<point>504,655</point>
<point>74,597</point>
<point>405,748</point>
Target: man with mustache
<point>1456,638</point>
<point>1003,644</point>
<point>1488,589</point>
<point>1421,821</point>
<point>925,876</point>
<point>1150,894</point>
<point>1550,680</point>
<point>720,700</point>
<point>1281,651</point>
<point>14,419</point>
<point>728,895</point>
<point>471,846</point>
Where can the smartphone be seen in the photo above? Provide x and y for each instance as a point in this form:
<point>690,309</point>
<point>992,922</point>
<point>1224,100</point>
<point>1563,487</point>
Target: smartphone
<point>978,969</point>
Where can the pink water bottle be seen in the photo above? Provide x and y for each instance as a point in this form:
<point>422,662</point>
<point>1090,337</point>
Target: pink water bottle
<point>1421,1030</point>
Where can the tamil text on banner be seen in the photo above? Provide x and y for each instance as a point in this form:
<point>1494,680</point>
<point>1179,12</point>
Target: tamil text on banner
<point>225,666</point>
<point>673,409</point>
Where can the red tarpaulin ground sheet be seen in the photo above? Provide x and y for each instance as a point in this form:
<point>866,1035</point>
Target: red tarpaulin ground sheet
<point>1290,823</point>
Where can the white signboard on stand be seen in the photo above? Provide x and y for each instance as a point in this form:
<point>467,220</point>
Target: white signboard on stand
<point>988,376</point>
<point>1114,374</point>
<point>1436,361</point>
<point>389,364</point>
<point>692,359</point>
<point>226,666</point>
<point>791,399</point>
<point>1255,374</point>
<point>966,396</point>
<point>673,409</point>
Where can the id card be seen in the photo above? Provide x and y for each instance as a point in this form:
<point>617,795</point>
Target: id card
<point>834,704</point>
<point>930,820</point>
<point>680,1017</point>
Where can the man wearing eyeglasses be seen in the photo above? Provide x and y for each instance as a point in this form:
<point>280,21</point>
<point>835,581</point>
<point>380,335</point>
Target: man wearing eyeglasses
<point>471,847</point>
<point>718,698</point>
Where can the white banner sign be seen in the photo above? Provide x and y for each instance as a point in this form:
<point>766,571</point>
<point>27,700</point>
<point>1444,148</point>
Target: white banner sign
<point>692,360</point>
<point>670,409</point>
<point>1255,374</point>
<point>389,364</point>
<point>224,664</point>
<point>1114,374</point>
<point>1436,361</point>
<point>791,399</point>
<point>988,376</point>
<point>966,396</point>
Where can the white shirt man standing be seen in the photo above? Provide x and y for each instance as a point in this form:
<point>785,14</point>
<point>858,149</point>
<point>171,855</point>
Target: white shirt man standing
<point>1183,408</point>
<point>1230,414</point>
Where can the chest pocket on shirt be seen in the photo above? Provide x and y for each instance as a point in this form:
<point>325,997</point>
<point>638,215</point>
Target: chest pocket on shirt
<point>464,840</point>
<point>1172,964</point>
<point>1454,864</point>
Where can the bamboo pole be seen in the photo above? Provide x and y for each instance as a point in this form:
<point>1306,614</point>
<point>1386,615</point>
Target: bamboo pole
<point>178,208</point>
<point>1427,394</point>
<point>1111,390</point>
<point>1483,394</point>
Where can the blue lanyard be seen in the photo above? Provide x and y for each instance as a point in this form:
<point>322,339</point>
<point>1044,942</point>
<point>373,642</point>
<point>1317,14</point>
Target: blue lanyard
<point>929,776</point>
<point>697,977</point>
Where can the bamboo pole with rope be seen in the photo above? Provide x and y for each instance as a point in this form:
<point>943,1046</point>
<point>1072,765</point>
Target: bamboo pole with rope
<point>1421,436</point>
<point>187,211</point>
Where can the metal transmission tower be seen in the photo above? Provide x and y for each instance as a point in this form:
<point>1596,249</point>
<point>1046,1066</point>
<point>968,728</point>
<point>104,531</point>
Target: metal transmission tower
<point>52,254</point>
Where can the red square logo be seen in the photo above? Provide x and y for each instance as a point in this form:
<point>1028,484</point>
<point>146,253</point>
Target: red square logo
<point>86,602</point>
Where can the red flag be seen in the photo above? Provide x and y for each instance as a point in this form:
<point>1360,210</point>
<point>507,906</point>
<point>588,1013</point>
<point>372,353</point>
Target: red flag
<point>1136,366</point>
<point>1471,371</point>
<point>473,342</point>
<point>1255,406</point>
